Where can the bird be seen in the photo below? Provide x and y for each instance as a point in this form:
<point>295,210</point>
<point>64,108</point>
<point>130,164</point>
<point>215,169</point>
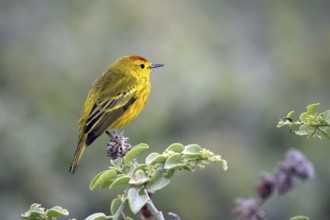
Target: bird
<point>115,99</point>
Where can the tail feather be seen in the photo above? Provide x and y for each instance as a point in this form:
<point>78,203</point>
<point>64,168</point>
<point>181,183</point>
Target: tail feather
<point>77,156</point>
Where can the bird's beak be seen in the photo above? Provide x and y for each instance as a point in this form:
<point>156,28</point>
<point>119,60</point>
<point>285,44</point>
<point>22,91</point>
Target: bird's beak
<point>155,65</point>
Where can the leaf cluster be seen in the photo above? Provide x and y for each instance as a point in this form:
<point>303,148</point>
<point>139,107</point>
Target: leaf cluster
<point>40,213</point>
<point>310,123</point>
<point>141,180</point>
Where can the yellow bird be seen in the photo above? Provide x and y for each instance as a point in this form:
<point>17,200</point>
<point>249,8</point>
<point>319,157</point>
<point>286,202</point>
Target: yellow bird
<point>115,99</point>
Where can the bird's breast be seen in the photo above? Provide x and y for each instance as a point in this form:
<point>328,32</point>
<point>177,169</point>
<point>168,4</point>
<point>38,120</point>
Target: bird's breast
<point>142,94</point>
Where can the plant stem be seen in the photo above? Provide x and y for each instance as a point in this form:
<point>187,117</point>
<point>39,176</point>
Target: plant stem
<point>149,210</point>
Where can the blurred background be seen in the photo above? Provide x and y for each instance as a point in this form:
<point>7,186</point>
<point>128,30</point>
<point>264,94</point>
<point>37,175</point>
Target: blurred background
<point>232,69</point>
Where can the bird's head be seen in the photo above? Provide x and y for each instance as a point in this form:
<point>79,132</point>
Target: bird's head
<point>136,65</point>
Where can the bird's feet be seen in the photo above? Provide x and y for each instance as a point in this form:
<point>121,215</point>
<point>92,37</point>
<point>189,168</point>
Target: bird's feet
<point>113,138</point>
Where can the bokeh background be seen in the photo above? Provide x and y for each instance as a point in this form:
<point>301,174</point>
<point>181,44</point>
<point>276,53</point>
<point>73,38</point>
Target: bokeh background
<point>232,69</point>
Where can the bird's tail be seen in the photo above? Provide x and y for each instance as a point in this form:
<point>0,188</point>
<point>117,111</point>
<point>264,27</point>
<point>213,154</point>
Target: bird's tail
<point>77,155</point>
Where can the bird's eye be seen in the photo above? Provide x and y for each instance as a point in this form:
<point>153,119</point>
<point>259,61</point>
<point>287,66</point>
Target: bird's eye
<point>142,66</point>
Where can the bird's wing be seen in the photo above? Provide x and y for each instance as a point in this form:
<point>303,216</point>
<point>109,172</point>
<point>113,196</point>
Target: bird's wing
<point>107,111</point>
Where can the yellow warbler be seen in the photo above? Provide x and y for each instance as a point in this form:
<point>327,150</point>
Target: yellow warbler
<point>115,99</point>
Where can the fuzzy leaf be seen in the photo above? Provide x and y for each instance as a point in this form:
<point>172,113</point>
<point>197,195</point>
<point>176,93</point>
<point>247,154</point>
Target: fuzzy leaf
<point>35,212</point>
<point>140,167</point>
<point>303,130</point>
<point>120,181</point>
<point>138,178</point>
<point>115,206</point>
<point>192,150</point>
<point>325,132</point>
<point>118,162</point>
<point>176,147</point>
<point>158,181</point>
<point>36,215</point>
<point>97,216</point>
<point>155,158</point>
<point>312,108</point>
<point>169,173</point>
<point>103,179</point>
<point>128,168</point>
<point>324,122</point>
<point>37,208</point>
<point>303,117</point>
<point>289,115</point>
<point>173,162</point>
<point>135,151</point>
<point>56,212</point>
<point>136,200</point>
<point>326,116</point>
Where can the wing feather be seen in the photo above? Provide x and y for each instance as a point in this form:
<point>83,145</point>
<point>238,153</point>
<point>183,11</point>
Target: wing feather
<point>106,112</point>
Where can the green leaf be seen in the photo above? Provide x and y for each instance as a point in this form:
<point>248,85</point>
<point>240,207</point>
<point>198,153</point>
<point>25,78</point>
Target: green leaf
<point>103,179</point>
<point>326,116</point>
<point>128,168</point>
<point>120,181</point>
<point>56,212</point>
<point>192,150</point>
<point>158,180</point>
<point>325,132</point>
<point>173,162</point>
<point>94,180</point>
<point>140,167</point>
<point>137,200</point>
<point>36,208</point>
<point>118,162</point>
<point>176,147</point>
<point>169,173</point>
<point>138,178</point>
<point>115,206</point>
<point>37,215</point>
<point>323,122</point>
<point>312,108</point>
<point>289,115</point>
<point>35,212</point>
<point>155,158</point>
<point>303,117</point>
<point>135,151</point>
<point>303,130</point>
<point>299,218</point>
<point>97,216</point>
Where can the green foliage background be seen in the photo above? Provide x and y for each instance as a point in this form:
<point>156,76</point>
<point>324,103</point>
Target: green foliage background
<point>232,69</point>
